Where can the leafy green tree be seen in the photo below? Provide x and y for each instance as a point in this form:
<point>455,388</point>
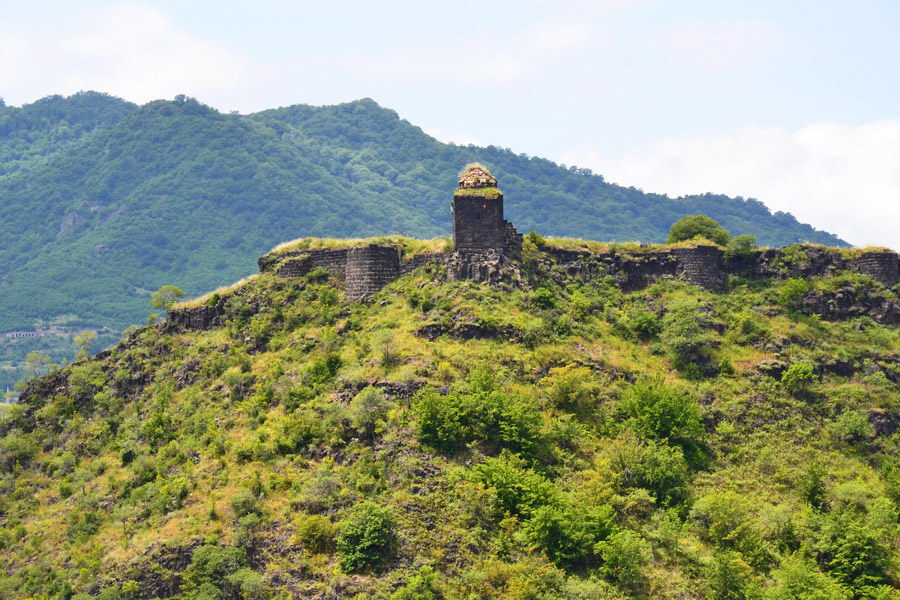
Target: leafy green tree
<point>742,245</point>
<point>165,297</point>
<point>367,409</point>
<point>366,537</point>
<point>83,343</point>
<point>36,363</point>
<point>798,579</point>
<point>798,377</point>
<point>698,226</point>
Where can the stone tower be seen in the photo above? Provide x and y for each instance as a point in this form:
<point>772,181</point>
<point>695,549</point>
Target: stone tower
<point>478,222</point>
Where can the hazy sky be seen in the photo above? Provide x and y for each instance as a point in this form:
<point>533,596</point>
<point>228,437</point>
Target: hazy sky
<point>794,102</point>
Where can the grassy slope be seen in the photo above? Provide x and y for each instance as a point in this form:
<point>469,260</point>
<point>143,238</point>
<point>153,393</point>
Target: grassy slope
<point>247,430</point>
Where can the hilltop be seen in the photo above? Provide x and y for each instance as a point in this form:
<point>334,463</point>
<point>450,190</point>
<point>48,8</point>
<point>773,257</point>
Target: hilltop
<point>576,421</point>
<point>104,201</point>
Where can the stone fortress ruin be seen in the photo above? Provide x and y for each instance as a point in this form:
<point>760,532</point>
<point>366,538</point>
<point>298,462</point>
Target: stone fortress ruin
<point>487,248</point>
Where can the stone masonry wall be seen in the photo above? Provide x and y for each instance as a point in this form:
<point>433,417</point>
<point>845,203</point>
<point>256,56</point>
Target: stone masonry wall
<point>478,223</point>
<point>883,267</point>
<point>700,266</point>
<point>370,268</point>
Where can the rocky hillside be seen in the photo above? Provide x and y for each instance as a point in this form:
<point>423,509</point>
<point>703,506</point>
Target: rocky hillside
<point>563,433</point>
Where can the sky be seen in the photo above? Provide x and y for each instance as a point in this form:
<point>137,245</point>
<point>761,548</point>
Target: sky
<point>795,103</point>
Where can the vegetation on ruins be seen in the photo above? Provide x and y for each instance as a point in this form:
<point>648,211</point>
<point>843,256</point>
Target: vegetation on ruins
<point>559,439</point>
<point>698,227</point>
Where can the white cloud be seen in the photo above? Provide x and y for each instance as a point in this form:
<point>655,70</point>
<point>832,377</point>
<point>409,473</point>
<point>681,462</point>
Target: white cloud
<point>837,177</point>
<point>129,50</point>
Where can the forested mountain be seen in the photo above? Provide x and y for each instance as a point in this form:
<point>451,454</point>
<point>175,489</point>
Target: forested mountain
<point>102,201</point>
<point>552,437</point>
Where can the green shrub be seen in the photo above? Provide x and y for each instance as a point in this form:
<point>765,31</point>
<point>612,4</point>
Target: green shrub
<point>366,537</point>
<point>519,489</point>
<point>740,246</point>
<point>535,238</point>
<point>479,411</point>
<point>207,576</point>
<point>851,426</point>
<point>683,334</point>
<point>697,226</point>
<point>663,412</point>
<point>656,467</point>
<point>244,503</point>
<point>853,551</point>
<point>729,576</point>
<point>792,292</point>
<point>797,378</point>
<point>725,519</point>
<point>625,554</point>
<point>543,298</point>
<point>798,579</point>
<point>423,585</point>
<point>569,535</point>
<point>368,409</point>
<point>316,533</point>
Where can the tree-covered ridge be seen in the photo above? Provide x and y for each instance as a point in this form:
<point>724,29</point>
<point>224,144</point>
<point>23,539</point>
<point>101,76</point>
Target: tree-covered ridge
<point>102,202</point>
<point>557,439</point>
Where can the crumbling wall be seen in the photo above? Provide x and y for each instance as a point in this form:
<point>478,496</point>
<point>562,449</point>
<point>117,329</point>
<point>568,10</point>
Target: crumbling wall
<point>370,268</point>
<point>882,266</point>
<point>700,266</point>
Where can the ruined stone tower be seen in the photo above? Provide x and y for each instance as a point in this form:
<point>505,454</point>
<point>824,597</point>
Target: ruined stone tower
<point>478,222</point>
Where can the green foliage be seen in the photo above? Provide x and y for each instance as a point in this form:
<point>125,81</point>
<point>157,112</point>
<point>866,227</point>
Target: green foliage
<point>798,377</point>
<point>792,292</point>
<point>798,579</point>
<point>476,412</point>
<point>519,489</point>
<point>165,297</point>
<point>535,238</point>
<point>658,468</point>
<point>368,410</point>
<point>683,334</point>
<point>569,535</point>
<point>743,245</point>
<point>366,537</point>
<point>421,586</point>
<point>697,226</point>
<point>316,533</point>
<point>625,554</point>
<point>543,298</point>
<point>663,412</point>
<point>211,573</point>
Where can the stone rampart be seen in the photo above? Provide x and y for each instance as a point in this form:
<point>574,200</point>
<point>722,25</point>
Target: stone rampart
<point>700,266</point>
<point>882,266</point>
<point>370,268</point>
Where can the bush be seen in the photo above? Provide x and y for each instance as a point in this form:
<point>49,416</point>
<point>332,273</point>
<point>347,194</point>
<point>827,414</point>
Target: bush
<point>570,386</point>
<point>316,533</point>
<point>725,520</point>
<point>543,298</point>
<point>478,412</point>
<point>244,503</point>
<point>797,377</point>
<point>740,246</point>
<point>368,409</point>
<point>624,556</point>
<point>657,468</point>
<point>792,292</point>
<point>568,534</point>
<point>683,334</point>
<point>208,574</point>
<point>421,586</point>
<point>798,579</point>
<point>520,490</point>
<point>729,577</point>
<point>366,537</point>
<point>853,552</point>
<point>665,413</point>
<point>698,226</point>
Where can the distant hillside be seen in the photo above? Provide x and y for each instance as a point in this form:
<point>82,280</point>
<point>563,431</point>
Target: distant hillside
<point>102,201</point>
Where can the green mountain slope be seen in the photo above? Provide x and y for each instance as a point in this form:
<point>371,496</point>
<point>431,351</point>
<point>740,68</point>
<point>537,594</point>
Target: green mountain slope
<point>555,439</point>
<point>102,201</point>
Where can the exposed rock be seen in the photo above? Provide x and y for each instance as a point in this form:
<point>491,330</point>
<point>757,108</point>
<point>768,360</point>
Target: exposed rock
<point>848,303</point>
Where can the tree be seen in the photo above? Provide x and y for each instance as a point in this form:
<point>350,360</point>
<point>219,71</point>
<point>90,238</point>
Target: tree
<point>165,297</point>
<point>36,362</point>
<point>83,344</point>
<point>698,226</point>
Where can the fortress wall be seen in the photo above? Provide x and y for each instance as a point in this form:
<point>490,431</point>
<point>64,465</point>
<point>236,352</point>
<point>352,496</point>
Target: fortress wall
<point>370,268</point>
<point>700,266</point>
<point>883,266</point>
<point>477,223</point>
<point>409,265</point>
<point>300,264</point>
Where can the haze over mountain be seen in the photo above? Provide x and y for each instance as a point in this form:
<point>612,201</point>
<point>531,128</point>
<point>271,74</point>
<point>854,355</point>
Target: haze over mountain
<point>102,201</point>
